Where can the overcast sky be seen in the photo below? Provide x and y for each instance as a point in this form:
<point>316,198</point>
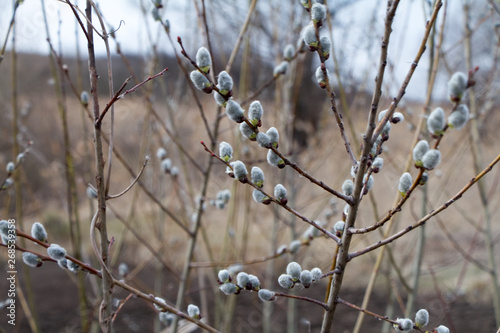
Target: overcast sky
<point>353,37</point>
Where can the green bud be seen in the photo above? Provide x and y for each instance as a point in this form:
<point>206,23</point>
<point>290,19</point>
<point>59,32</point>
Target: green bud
<point>285,281</point>
<point>38,232</point>
<point>457,86</point>
<point>405,183</point>
<point>203,59</point>
<point>225,151</point>
<point>431,159</point>
<point>436,121</point>
<point>257,176</point>
<point>266,295</point>
<point>234,111</point>
<point>293,269</point>
<point>458,118</point>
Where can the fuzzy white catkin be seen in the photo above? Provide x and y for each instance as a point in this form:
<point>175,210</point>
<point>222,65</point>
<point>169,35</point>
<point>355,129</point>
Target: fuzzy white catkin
<point>274,136</point>
<point>420,149</point>
<point>73,267</point>
<point>234,111</point>
<point>254,282</point>
<point>397,117</point>
<point>224,82</point>
<point>288,52</point>
<point>285,281</point>
<point>442,329</point>
<point>431,159</point>
<point>161,300</point>
<point>326,46</point>
<point>293,269</point>
<point>320,77</point>
<point>38,232</point>
<point>228,288</point>
<point>306,278</point>
<point>381,115</point>
<point>457,86</point>
<point>310,36</point>
<point>91,193</point>
<point>203,59</point>
<point>242,279</point>
<point>10,167</point>
<point>280,192</point>
<point>31,259</point>
<point>161,153</point>
<point>257,176</point>
<point>436,121</point>
<point>166,165</point>
<point>123,269</point>
<point>318,12</point>
<point>263,140</point>
<point>405,183</point>
<point>273,158</point>
<point>369,182</point>
<point>348,187</point>
<point>166,318</point>
<point>255,112</point>
<point>193,311</point>
<point>225,151</point>
<point>294,246</point>
<point>258,196</point>
<point>56,252</point>
<point>239,169</point>
<point>247,131</point>
<point>219,99</point>
<point>421,318</point>
<point>281,68</point>
<point>316,274</point>
<point>377,164</point>
<point>405,323</point>
<point>458,118</point>
<point>266,295</point>
<point>199,80</point>
<point>339,227</point>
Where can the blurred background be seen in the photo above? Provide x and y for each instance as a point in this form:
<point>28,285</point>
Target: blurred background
<point>44,71</point>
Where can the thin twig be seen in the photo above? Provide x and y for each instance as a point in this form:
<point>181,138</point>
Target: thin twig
<point>131,184</point>
<point>422,221</point>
